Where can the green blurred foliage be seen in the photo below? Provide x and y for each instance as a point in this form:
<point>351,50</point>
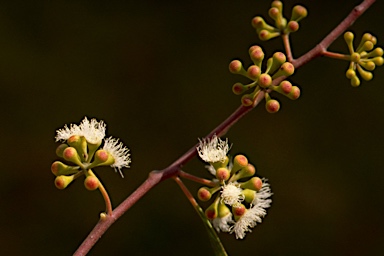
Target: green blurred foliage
<point>157,73</point>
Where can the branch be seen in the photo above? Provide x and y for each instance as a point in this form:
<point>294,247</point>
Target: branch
<point>155,177</point>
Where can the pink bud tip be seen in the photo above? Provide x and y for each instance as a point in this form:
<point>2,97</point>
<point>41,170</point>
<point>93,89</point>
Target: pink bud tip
<point>235,66</point>
<point>272,106</point>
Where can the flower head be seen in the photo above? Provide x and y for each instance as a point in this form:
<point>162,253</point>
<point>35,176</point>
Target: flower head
<point>119,152</point>
<point>255,214</point>
<point>232,194</point>
<point>213,150</point>
<point>93,131</point>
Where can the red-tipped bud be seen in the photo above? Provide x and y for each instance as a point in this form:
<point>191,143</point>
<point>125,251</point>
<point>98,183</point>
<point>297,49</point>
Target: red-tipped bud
<point>91,183</point>
<point>256,54</point>
<point>59,168</point>
<point>286,86</point>
<point>61,182</point>
<point>298,13</point>
<point>238,211</point>
<point>204,194</point>
<point>236,67</point>
<point>254,183</point>
<point>253,72</point>
<point>239,162</point>
<point>70,154</point>
<point>265,35</point>
<point>265,80</point>
<point>286,69</point>
<point>272,106</point>
<point>211,212</point>
<point>295,93</point>
<point>238,88</point>
<point>292,26</point>
<point>223,174</point>
<point>274,13</point>
<point>247,100</point>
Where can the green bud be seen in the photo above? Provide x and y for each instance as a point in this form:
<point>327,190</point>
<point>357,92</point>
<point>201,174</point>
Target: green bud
<point>366,75</point>
<point>244,172</point>
<point>236,67</point>
<point>294,94</point>
<point>298,13</point>
<point>350,73</point>
<point>275,62</point>
<point>91,183</point>
<point>259,24</point>
<point>212,212</point>
<point>272,106</point>
<point>265,35</point>
<point>220,164</point>
<point>223,210</point>
<point>249,195</point>
<point>59,168</point>
<point>348,37</point>
<point>80,144</point>
<point>60,150</point>
<point>368,65</point>
<point>367,37</point>
<point>355,81</point>
<point>254,183</point>
<point>366,47</point>
<point>61,182</point>
<point>378,61</point>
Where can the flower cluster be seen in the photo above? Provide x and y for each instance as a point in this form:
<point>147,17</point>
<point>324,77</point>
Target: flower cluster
<point>266,31</point>
<point>277,66</point>
<point>82,148</point>
<point>241,198</point>
<point>364,59</point>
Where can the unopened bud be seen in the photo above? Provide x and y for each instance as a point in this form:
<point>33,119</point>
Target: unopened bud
<point>59,168</point>
<point>80,144</point>
<point>60,150</point>
<point>239,162</point>
<point>272,106</point>
<point>292,26</point>
<point>254,183</point>
<point>355,81</point>
<point>265,35</point>
<point>265,80</point>
<point>366,75</point>
<point>61,182</point>
<point>223,174</point>
<point>275,62</point>
<point>298,13</point>
<point>238,211</point>
<point>211,212</point>
<point>204,194</point>
<point>286,69</point>
<point>91,183</point>
<point>369,65</point>
<point>236,67</point>
<point>295,93</point>
<point>249,195</point>
<point>70,154</point>
<point>238,88</point>
<point>247,100</point>
<point>102,158</point>
<point>253,72</point>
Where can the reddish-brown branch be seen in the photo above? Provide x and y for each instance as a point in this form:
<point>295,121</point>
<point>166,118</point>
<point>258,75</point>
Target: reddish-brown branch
<point>155,177</point>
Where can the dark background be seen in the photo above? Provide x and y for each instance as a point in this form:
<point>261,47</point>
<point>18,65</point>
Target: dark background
<point>157,73</point>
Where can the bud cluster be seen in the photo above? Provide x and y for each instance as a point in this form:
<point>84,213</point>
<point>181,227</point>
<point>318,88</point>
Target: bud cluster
<point>81,150</point>
<point>277,66</point>
<point>364,59</point>
<point>281,26</point>
<point>241,197</point>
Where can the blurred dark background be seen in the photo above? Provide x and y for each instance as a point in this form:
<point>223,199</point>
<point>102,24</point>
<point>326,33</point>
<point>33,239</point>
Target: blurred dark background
<point>157,73</point>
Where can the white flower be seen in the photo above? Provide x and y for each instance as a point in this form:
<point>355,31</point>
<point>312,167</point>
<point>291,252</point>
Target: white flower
<point>232,194</point>
<point>255,214</point>
<point>93,131</point>
<point>213,150</point>
<point>223,224</point>
<point>119,152</point>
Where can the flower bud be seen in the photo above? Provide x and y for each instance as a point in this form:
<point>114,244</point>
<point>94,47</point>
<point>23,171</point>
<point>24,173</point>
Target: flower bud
<point>60,150</point>
<point>265,80</point>
<point>355,57</point>
<point>366,75</point>
<point>298,13</point>
<point>275,62</point>
<point>70,154</point>
<point>256,54</point>
<point>272,106</point>
<point>265,35</point>
<point>223,210</point>
<point>239,162</point>
<point>355,81</point>
<point>102,158</point>
<point>378,61</point>
<point>366,47</point>
<point>368,65</point>
<point>295,93</point>
<point>286,69</point>
<point>223,174</point>
<point>292,26</point>
<point>285,86</point>
<point>254,183</point>
<point>80,144</point>
<point>253,72</point>
<point>91,182</point>
<point>258,23</point>
<point>61,182</point>
<point>238,211</point>
<point>236,67</point>
<point>204,194</point>
<point>247,100</point>
<point>350,73</point>
<point>249,195</point>
<point>238,88</point>
<point>59,168</point>
<point>211,212</point>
